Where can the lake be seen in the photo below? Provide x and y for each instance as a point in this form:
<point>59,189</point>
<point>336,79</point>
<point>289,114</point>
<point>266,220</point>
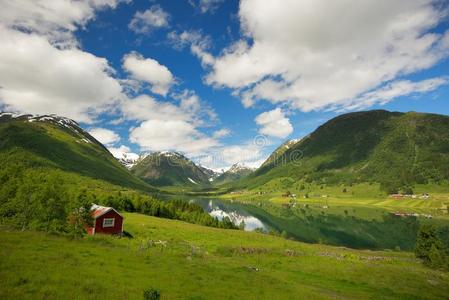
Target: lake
<point>310,225</point>
<point>234,211</point>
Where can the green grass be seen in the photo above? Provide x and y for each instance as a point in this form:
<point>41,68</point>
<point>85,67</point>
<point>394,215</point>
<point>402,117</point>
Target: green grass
<point>204,263</point>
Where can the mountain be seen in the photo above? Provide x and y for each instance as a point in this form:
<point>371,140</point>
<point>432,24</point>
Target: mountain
<point>128,159</point>
<point>51,142</point>
<point>278,153</point>
<point>396,150</point>
<point>235,172</point>
<point>211,174</point>
<point>169,169</point>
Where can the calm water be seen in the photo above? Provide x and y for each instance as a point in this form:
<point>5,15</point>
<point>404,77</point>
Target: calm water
<point>235,212</point>
<point>314,226</point>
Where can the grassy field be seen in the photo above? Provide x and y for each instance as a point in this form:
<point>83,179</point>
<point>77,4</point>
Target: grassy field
<point>186,261</point>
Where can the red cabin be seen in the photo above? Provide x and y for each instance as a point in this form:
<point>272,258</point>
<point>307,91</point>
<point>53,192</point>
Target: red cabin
<point>106,220</point>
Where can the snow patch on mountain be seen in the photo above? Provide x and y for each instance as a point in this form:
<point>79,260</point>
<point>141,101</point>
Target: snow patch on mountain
<point>238,167</point>
<point>191,180</point>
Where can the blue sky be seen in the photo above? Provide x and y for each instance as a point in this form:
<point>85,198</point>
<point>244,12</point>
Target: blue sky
<point>210,77</point>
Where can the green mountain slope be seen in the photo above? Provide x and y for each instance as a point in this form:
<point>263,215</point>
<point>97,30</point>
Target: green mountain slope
<point>169,169</point>
<point>397,150</point>
<point>51,142</point>
<point>236,172</point>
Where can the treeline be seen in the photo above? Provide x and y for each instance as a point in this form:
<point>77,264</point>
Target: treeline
<point>57,201</point>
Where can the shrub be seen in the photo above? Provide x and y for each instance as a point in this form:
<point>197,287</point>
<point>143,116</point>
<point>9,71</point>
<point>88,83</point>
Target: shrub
<point>151,294</point>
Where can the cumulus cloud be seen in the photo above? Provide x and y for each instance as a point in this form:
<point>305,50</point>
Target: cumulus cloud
<point>274,123</point>
<point>179,135</point>
<point>222,157</point>
<point>123,152</point>
<point>315,54</point>
<point>150,71</point>
<point>36,37</point>
<point>188,108</point>
<point>150,19</point>
<point>104,136</point>
<point>54,19</point>
<point>171,125</point>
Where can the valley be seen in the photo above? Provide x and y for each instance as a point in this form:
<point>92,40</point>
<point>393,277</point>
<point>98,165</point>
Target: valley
<point>316,228</point>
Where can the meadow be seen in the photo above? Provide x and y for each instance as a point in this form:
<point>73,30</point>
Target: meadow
<point>187,261</point>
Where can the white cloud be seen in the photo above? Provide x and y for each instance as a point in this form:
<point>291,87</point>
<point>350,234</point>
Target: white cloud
<point>104,136</point>
<point>42,70</point>
<point>158,135</point>
<point>200,112</point>
<point>54,19</point>
<point>315,54</point>
<point>222,157</point>
<point>198,43</point>
<point>221,133</point>
<point>150,19</point>
<point>149,71</point>
<point>396,89</point>
<point>171,125</point>
<point>36,77</point>
<point>274,123</point>
<point>205,6</point>
<point>189,108</point>
<point>123,152</point>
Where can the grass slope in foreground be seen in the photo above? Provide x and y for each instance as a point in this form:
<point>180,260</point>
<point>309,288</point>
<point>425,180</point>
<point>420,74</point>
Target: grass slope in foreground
<point>204,263</point>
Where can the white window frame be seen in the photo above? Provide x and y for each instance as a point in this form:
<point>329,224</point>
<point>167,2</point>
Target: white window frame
<point>106,220</point>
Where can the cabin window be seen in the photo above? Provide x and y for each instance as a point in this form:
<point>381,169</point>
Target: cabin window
<point>108,222</point>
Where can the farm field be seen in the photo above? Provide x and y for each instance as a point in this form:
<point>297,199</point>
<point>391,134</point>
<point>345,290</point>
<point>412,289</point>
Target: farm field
<point>186,261</point>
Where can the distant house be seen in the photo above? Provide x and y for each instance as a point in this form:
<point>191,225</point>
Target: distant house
<point>106,220</point>
<point>397,196</point>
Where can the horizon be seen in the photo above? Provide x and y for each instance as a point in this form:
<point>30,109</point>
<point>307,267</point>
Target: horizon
<point>225,86</point>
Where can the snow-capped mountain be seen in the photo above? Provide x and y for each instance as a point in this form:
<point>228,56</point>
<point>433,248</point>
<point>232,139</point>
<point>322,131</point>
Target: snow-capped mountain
<point>169,168</point>
<point>235,172</point>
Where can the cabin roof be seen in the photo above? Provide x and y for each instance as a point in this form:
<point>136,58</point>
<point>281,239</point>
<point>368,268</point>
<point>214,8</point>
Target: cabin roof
<point>98,210</point>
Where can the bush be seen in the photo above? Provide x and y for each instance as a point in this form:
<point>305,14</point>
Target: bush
<point>151,294</point>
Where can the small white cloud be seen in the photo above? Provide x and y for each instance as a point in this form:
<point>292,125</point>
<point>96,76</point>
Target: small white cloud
<point>274,123</point>
<point>149,71</point>
<point>150,19</point>
<point>221,133</point>
<point>206,6</point>
<point>197,42</point>
<point>104,136</point>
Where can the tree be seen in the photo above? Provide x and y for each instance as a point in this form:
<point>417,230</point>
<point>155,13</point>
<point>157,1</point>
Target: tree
<point>436,257</point>
<point>284,234</point>
<point>429,247</point>
<point>242,225</point>
<point>80,215</point>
